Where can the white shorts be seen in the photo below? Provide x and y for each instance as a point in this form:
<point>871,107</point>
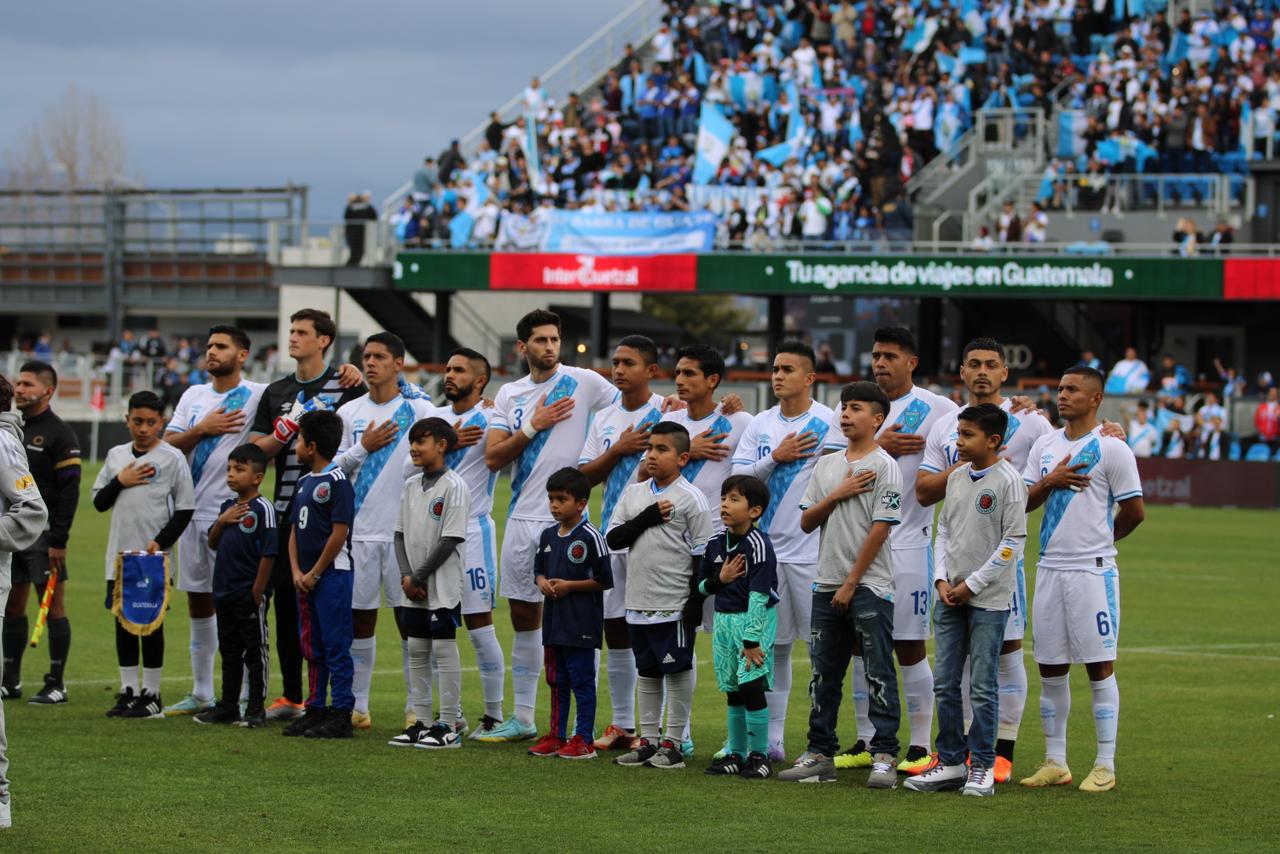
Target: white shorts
<point>519,545</point>
<point>1075,617</point>
<point>912,593</point>
<point>195,558</point>
<point>480,573</point>
<point>1016,628</point>
<point>795,600</point>
<point>376,570</point>
<point>615,598</point>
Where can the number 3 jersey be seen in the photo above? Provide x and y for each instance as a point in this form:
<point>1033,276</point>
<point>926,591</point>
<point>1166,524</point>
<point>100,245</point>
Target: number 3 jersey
<point>1076,531</point>
<point>917,411</point>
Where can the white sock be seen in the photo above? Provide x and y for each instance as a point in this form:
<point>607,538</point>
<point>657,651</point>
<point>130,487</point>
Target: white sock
<point>129,679</point>
<point>419,650</point>
<point>679,704</point>
<point>408,681</point>
<point>917,687</point>
<point>1106,719</point>
<point>862,701</point>
<point>151,680</point>
<point>444,655</point>
<point>687,733</point>
<point>204,649</point>
<point>1012,683</point>
<point>363,653</point>
<point>966,702</point>
<point>1055,708</point>
<point>526,668</point>
<point>621,666</point>
<point>650,704</point>
<point>781,693</point>
<point>493,669</point>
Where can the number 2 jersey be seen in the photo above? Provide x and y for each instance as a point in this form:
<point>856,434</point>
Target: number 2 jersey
<point>1076,532</point>
<point>917,411</point>
<point>608,424</point>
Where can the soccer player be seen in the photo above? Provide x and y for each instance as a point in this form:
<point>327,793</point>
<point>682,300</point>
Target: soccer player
<point>53,455</point>
<point>664,523</point>
<point>616,443</point>
<point>435,510</point>
<point>780,447</point>
<point>981,533</point>
<point>913,412</point>
<point>320,557</point>
<point>466,375</point>
<point>573,571</point>
<point>539,425</point>
<point>314,383</point>
<point>740,573</point>
<point>209,421</point>
<point>147,485</point>
<point>855,498</point>
<point>374,454</point>
<point>244,539</point>
<point>1079,474</point>
<point>983,371</point>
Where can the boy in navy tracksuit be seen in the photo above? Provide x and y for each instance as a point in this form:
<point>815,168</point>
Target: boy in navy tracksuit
<point>320,555</point>
<point>572,569</point>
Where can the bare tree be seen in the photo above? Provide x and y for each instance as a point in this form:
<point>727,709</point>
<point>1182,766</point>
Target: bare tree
<point>76,145</point>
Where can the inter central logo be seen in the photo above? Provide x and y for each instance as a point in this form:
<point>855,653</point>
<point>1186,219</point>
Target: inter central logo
<point>437,509</point>
<point>577,551</point>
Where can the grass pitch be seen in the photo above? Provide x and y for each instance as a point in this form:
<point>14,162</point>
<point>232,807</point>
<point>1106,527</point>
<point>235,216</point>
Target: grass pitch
<point>1198,675</point>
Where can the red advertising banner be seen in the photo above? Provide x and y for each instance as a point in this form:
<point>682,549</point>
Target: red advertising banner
<point>1209,483</point>
<point>554,272</point>
<point>1251,278</point>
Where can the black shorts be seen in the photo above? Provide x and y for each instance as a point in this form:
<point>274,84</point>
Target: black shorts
<point>667,647</point>
<point>31,566</point>
<point>433,623</point>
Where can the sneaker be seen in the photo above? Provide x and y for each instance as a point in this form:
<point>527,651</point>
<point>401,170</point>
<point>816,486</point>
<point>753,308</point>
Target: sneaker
<point>440,737</point>
<point>577,748</point>
<point>1050,773</point>
<point>411,736</point>
<point>253,720</point>
<point>810,768</point>
<point>337,724</point>
<point>188,705</point>
<point>686,748</point>
<point>52,694</point>
<point>617,738</point>
<point>729,765</point>
<point>1100,779</point>
<point>667,756</point>
<point>123,701</point>
<point>361,720</point>
<point>854,757</point>
<point>218,714</point>
<point>722,752</point>
<point>510,730</point>
<point>548,745</point>
<point>11,692</point>
<point>312,717</point>
<point>1003,770</point>
<point>146,706</point>
<point>917,761</point>
<point>757,767</point>
<point>938,778</point>
<point>284,709</point>
<point>461,727</point>
<point>486,727</point>
<point>883,773</point>
<point>980,784</point>
<point>641,755</point>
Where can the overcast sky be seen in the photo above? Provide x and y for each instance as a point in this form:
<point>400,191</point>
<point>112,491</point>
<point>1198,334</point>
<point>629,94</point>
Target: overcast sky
<point>339,96</point>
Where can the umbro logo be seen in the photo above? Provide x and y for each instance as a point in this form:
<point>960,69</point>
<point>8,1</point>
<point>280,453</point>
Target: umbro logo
<point>667,659</point>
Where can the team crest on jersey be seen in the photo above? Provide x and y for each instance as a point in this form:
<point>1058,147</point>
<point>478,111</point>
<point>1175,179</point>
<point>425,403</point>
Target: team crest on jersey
<point>249,522</point>
<point>322,493</point>
<point>577,551</point>
<point>892,500</point>
<point>985,502</point>
<point>24,483</point>
<point>437,509</point>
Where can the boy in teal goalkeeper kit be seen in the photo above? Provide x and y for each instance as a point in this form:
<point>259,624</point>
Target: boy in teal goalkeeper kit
<point>739,569</point>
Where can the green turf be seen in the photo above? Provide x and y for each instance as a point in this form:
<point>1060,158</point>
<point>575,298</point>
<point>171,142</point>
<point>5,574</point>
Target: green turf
<point>1198,677</point>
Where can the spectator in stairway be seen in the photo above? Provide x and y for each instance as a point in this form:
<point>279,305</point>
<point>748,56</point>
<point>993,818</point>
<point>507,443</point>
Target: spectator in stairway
<point>359,211</point>
<point>1223,236</point>
<point>664,46</point>
<point>425,180</point>
<point>983,242</point>
<point>1037,228</point>
<point>493,131</point>
<point>152,347</point>
<point>1186,237</point>
<point>1202,136</point>
<point>1088,358</point>
<point>1143,438</point>
<point>450,160</point>
<point>43,348</point>
<point>1009,225</point>
<point>1232,385</point>
<point>1130,375</point>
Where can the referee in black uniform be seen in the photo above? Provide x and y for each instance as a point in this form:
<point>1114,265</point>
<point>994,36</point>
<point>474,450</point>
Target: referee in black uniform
<point>53,454</point>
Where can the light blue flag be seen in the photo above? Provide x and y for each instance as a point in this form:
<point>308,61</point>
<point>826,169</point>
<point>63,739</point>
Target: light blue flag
<point>972,56</point>
<point>795,121</point>
<point>715,133</point>
<point>1178,47</point>
<point>530,145</point>
<point>1246,126</point>
<point>777,155</point>
<point>460,229</point>
<point>950,64</point>
<point>738,90</point>
<point>1071,125</point>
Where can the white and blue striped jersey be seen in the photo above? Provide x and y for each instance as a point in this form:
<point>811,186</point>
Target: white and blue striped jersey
<point>787,481</point>
<point>1144,438</point>
<point>1076,532</point>
<point>940,451</point>
<point>608,424</point>
<point>208,459</point>
<point>469,462</point>
<point>378,477</point>
<point>917,411</point>
<point>556,447</point>
<point>709,475</point>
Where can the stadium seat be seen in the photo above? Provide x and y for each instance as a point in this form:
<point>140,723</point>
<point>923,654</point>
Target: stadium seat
<point>1258,453</point>
<point>1276,458</point>
<point>1233,453</point>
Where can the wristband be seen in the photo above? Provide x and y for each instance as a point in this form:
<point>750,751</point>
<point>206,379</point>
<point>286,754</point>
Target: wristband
<point>529,430</point>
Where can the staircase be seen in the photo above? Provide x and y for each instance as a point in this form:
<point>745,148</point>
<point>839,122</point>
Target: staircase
<point>397,311</point>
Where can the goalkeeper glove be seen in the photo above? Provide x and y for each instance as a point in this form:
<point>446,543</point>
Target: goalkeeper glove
<point>409,391</point>
<point>286,426</point>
